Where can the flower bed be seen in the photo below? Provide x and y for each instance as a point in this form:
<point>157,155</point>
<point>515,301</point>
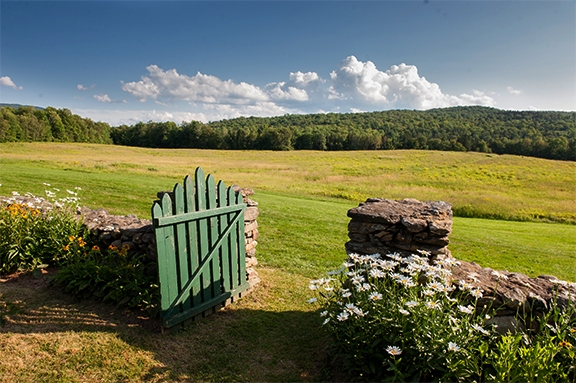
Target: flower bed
<point>36,233</point>
<point>400,318</point>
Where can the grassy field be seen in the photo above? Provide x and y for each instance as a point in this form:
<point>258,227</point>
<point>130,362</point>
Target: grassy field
<point>272,334</point>
<point>477,184</point>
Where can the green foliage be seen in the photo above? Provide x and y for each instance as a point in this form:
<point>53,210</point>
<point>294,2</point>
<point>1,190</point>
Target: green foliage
<point>539,134</point>
<point>544,352</point>
<point>32,237</point>
<point>113,275</point>
<point>396,319</point>
<point>27,123</point>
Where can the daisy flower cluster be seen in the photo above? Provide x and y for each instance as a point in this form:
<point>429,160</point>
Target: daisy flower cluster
<point>399,311</point>
<point>44,204</point>
<point>403,319</point>
<point>33,230</point>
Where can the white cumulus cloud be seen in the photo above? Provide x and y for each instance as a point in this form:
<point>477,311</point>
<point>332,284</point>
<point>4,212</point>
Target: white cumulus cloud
<point>398,87</point>
<point>301,87</point>
<point>513,92</point>
<point>161,84</point>
<point>283,91</point>
<point>353,86</point>
<point>7,82</point>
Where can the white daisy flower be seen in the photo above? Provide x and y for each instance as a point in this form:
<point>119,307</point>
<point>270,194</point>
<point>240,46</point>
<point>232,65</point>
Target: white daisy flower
<point>393,350</point>
<point>453,347</point>
<point>375,296</point>
<point>466,309</point>
<point>480,328</point>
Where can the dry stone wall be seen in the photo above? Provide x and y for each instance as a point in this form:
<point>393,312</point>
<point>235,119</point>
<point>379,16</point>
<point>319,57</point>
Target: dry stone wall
<point>381,226</point>
<point>385,226</point>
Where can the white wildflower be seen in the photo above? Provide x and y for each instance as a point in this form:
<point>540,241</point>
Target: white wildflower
<point>312,300</point>
<point>324,313</point>
<point>404,312</point>
<point>325,321</point>
<point>428,293</point>
<point>377,273</point>
<point>466,309</point>
<point>411,304</point>
<point>453,347</point>
<point>363,287</point>
<point>499,275</point>
<point>375,296</point>
<point>354,256</point>
<point>393,350</point>
<point>388,265</point>
<point>476,293</point>
<point>433,305</point>
<point>435,286</point>
<point>343,316</point>
<point>480,328</point>
<point>465,285</point>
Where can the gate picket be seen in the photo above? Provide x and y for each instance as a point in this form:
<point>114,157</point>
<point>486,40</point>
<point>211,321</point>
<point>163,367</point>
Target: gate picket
<point>201,247</point>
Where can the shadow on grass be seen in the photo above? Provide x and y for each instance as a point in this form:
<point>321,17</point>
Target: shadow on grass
<point>234,344</point>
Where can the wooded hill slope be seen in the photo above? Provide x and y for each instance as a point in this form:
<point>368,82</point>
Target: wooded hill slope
<point>545,134</point>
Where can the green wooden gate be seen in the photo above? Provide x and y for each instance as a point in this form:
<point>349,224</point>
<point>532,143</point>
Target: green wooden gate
<point>200,242</point>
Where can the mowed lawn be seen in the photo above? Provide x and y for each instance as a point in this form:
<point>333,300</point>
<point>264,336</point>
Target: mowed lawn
<point>272,334</point>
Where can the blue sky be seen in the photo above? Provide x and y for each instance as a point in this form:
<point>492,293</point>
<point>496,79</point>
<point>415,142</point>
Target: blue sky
<point>129,61</point>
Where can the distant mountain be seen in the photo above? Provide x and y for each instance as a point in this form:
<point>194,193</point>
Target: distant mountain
<point>16,106</point>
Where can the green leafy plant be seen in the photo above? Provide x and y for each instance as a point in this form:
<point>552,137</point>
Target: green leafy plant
<point>33,231</point>
<point>113,275</point>
<point>399,318</point>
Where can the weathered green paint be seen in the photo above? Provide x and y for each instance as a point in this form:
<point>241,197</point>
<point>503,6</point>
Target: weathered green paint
<point>200,244</point>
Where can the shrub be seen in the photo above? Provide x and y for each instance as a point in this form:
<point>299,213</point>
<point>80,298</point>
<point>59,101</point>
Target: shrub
<point>399,319</point>
<point>33,232</point>
<point>113,275</point>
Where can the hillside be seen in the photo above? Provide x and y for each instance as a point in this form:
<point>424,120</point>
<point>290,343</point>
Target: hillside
<point>547,134</point>
<point>539,134</point>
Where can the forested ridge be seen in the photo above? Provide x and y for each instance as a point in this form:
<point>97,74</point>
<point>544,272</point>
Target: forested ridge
<point>546,134</point>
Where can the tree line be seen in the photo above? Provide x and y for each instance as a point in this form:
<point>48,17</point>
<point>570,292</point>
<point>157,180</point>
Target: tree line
<point>545,134</point>
<point>472,128</point>
<point>27,123</point>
